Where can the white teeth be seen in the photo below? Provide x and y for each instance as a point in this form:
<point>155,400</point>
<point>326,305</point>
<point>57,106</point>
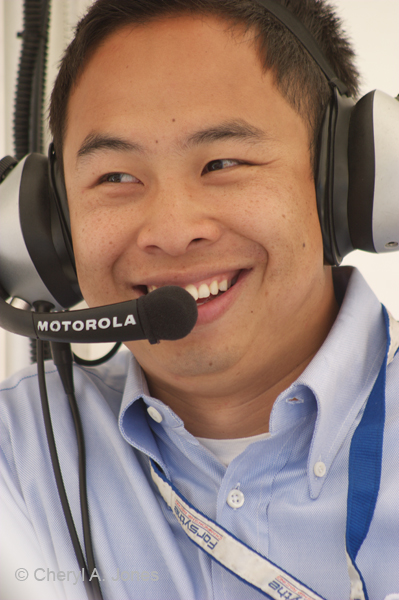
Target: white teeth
<point>214,288</point>
<point>191,289</point>
<point>203,291</point>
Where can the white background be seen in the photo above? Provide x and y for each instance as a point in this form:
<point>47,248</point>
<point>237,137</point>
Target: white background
<point>373,26</point>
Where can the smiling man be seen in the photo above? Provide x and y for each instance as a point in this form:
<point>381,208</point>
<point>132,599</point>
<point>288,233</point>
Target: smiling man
<point>181,181</point>
<point>188,134</point>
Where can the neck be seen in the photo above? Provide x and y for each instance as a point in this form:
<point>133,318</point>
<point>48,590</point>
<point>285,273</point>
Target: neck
<point>241,410</point>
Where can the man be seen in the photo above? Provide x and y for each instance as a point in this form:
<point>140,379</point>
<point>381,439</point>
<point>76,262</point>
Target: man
<point>187,133</point>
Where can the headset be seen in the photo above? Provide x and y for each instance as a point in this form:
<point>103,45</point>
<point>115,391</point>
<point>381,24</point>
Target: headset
<point>357,190</point>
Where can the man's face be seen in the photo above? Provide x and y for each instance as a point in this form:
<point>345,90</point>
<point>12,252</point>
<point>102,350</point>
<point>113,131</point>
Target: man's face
<point>184,165</point>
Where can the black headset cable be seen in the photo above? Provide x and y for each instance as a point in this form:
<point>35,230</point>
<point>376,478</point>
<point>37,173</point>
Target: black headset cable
<point>62,357</point>
<point>97,361</point>
<point>92,587</point>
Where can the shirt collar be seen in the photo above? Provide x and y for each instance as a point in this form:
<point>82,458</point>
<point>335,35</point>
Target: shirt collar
<point>341,375</point>
<point>133,417</point>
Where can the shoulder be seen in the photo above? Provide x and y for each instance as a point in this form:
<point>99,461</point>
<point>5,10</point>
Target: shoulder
<point>25,383</point>
<point>20,403</point>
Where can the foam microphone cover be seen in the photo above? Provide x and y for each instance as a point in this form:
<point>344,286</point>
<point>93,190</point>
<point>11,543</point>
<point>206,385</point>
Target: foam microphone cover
<point>168,313</point>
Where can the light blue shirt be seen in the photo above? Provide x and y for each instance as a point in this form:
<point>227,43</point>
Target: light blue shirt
<point>294,483</point>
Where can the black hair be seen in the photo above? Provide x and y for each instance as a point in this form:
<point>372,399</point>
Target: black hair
<point>297,76</point>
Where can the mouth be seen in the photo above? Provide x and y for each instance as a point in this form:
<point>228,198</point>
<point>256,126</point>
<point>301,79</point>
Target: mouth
<point>203,291</point>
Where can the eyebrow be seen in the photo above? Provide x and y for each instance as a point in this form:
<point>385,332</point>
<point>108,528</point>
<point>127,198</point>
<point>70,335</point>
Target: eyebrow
<point>96,141</point>
<point>235,129</point>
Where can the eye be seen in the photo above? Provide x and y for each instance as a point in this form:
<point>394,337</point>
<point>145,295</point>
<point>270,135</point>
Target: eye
<point>119,178</point>
<point>218,165</point>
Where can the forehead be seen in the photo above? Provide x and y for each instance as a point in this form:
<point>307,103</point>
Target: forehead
<point>169,76</point>
<point>177,55</point>
<point>185,36</point>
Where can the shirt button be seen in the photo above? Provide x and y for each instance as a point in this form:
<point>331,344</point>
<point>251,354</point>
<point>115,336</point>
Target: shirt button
<point>319,469</point>
<point>235,498</point>
<point>154,414</point>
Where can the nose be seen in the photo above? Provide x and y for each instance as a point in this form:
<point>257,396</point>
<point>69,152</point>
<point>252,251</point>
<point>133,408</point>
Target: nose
<point>175,223</point>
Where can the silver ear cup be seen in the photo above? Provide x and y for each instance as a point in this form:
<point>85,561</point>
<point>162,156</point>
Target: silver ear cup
<point>19,277</point>
<point>385,217</point>
<point>373,159</point>
<point>34,261</point>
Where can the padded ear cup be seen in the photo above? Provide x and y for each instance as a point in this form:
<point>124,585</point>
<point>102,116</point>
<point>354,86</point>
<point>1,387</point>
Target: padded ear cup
<point>332,179</point>
<point>373,195</point>
<point>58,187</point>
<point>35,260</point>
<point>325,183</point>
<point>53,257</point>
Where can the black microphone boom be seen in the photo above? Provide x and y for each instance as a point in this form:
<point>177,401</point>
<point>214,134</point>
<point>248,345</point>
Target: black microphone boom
<point>168,313</point>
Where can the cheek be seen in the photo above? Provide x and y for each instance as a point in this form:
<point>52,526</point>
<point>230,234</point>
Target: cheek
<point>95,242</point>
<point>280,214</point>
<point>97,234</point>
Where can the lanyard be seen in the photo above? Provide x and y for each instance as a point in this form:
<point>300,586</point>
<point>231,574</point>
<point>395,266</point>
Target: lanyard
<point>365,458</point>
<point>227,550</point>
<point>365,463</point>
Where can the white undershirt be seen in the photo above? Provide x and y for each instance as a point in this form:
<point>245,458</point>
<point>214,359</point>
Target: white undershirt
<point>226,450</point>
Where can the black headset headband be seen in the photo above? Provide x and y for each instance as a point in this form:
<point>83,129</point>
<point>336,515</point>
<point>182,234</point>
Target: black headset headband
<point>303,35</point>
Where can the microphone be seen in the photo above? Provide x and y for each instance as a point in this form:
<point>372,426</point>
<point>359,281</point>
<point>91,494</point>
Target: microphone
<point>167,313</point>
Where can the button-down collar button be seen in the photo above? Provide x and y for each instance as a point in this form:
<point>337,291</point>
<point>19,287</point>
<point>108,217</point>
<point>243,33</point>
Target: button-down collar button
<point>319,469</point>
<point>235,498</point>
<point>154,414</point>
